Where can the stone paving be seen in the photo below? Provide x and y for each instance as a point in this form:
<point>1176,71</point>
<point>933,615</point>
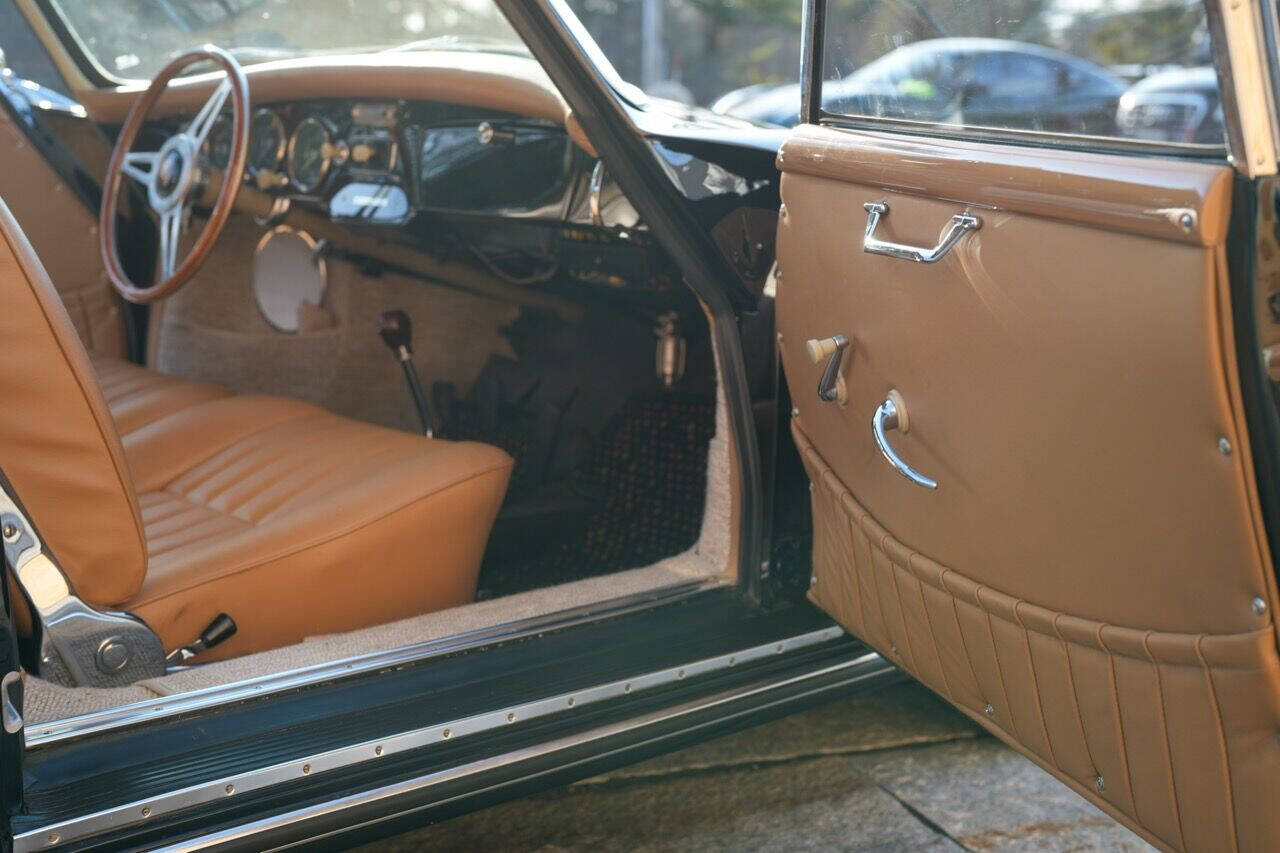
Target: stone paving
<point>898,770</point>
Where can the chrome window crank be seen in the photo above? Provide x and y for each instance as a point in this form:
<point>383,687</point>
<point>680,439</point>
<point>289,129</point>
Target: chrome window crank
<point>961,224</point>
<point>831,387</point>
<point>892,414</point>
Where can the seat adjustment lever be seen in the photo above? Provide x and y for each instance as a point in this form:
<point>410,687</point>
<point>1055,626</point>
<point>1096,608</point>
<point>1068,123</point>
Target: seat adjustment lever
<point>221,628</point>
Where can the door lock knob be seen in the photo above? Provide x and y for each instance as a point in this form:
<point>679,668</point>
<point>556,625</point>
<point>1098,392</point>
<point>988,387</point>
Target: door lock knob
<point>831,388</point>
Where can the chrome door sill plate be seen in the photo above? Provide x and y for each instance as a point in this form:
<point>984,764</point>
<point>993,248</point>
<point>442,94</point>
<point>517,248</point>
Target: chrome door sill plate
<point>150,710</point>
<point>151,808</point>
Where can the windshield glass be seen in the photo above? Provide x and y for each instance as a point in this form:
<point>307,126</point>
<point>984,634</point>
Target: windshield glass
<point>134,39</point>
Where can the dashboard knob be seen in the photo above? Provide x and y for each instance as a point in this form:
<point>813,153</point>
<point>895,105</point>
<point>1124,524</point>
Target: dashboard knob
<point>361,152</point>
<point>490,135</point>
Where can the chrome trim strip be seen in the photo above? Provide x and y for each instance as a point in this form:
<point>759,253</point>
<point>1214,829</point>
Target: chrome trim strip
<point>149,710</point>
<point>871,662</point>
<point>1237,32</point>
<point>139,811</point>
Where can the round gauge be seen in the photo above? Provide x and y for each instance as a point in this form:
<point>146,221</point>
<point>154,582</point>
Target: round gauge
<point>310,152</point>
<point>266,140</point>
<point>217,147</point>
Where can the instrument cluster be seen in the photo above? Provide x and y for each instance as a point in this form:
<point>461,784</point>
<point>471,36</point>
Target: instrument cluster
<point>380,162</point>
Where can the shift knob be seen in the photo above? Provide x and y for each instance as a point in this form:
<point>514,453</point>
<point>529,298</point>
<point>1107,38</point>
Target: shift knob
<point>396,332</point>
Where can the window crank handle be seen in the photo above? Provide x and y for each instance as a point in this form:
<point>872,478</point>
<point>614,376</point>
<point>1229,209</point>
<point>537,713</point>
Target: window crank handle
<point>831,386</point>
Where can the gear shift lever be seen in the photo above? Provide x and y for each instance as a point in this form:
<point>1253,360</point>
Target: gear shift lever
<point>397,333</point>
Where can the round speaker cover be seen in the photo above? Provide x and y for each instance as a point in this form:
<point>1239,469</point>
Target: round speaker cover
<point>286,273</point>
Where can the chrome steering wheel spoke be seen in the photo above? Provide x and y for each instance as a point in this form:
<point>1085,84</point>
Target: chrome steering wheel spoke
<point>170,235</point>
<point>200,126</point>
<point>140,165</point>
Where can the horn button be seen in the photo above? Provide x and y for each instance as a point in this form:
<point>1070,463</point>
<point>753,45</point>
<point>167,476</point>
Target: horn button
<point>168,172</point>
<point>173,173</point>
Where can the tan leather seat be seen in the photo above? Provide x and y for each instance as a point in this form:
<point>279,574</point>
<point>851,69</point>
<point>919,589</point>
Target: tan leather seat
<point>291,519</point>
<point>136,396</point>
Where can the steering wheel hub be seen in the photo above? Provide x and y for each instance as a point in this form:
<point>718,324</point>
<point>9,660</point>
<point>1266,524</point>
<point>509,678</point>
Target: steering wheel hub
<point>173,174</point>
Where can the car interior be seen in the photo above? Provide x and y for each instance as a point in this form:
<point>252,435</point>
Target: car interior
<point>432,375</point>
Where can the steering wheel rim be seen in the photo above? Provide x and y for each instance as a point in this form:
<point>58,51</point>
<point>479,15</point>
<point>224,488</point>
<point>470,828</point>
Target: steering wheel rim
<point>171,175</point>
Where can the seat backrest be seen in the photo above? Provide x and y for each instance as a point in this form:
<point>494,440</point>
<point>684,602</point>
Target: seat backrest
<point>58,445</point>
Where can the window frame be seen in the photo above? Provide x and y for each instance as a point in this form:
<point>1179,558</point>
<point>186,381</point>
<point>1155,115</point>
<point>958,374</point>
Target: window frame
<point>812,79</point>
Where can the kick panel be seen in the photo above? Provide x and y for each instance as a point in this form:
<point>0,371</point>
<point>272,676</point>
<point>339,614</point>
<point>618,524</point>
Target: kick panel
<point>1088,579</point>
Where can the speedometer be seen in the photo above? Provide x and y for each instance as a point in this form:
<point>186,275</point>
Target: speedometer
<point>266,140</point>
<point>310,153</point>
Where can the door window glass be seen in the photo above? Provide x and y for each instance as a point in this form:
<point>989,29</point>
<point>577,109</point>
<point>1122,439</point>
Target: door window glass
<point>1136,69</point>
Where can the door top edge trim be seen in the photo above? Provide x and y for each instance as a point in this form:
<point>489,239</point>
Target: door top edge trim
<point>1185,201</point>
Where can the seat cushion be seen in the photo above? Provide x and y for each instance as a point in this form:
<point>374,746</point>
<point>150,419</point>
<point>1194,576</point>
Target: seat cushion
<point>297,522</point>
<point>137,396</point>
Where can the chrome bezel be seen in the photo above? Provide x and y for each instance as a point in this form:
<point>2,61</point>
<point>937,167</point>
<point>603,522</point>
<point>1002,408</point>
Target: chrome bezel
<point>277,124</point>
<point>326,155</point>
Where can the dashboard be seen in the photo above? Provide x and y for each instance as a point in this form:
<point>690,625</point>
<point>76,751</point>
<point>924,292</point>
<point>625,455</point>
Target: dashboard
<point>381,162</point>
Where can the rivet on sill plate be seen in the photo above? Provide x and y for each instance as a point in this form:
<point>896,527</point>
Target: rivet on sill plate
<point>53,838</point>
<point>1187,221</point>
<point>989,710</point>
<point>377,750</point>
<point>1224,446</point>
<point>146,811</point>
<point>230,789</point>
<point>511,717</point>
<point>572,701</point>
<point>680,674</point>
<point>306,768</point>
<point>447,733</point>
<point>1259,606</point>
<point>732,661</point>
<point>626,688</point>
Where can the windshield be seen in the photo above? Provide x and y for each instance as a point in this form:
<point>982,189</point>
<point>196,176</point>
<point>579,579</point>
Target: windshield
<point>133,39</point>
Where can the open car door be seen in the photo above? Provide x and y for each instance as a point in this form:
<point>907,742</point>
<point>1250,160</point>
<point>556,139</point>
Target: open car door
<point>1032,485</point>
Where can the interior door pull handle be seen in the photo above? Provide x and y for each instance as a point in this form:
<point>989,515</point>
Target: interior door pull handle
<point>892,414</point>
<point>961,224</point>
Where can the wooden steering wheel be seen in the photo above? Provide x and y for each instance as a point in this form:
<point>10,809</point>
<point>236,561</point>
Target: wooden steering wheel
<point>171,176</point>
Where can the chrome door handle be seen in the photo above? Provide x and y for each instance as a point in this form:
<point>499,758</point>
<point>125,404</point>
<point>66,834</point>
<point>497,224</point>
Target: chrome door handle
<point>892,414</point>
<point>961,224</point>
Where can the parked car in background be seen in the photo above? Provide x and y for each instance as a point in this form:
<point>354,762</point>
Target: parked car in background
<point>1174,106</point>
<point>976,81</point>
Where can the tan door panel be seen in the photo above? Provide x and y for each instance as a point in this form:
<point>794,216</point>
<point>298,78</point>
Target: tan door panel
<point>1083,580</point>
<point>64,234</point>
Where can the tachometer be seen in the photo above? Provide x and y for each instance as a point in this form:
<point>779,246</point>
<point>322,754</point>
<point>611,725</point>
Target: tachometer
<point>310,154</point>
<point>266,140</point>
